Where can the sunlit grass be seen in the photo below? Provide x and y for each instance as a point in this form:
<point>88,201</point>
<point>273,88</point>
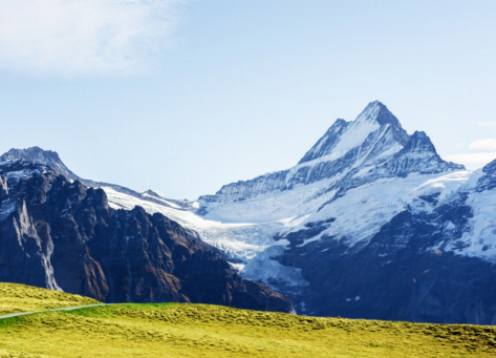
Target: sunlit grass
<point>22,298</point>
<point>184,330</point>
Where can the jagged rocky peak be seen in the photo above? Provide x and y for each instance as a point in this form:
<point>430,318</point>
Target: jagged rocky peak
<point>490,168</point>
<point>344,136</point>
<point>420,149</point>
<point>326,142</point>
<point>32,154</point>
<point>376,111</point>
<point>418,156</point>
<point>420,142</point>
<point>38,155</point>
<point>487,181</point>
<point>353,153</point>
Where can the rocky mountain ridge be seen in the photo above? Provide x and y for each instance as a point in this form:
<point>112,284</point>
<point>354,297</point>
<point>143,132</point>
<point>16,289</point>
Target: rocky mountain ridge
<point>372,146</point>
<point>62,235</point>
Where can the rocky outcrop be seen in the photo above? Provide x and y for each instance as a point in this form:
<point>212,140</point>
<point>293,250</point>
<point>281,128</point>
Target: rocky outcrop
<point>62,235</point>
<point>487,181</point>
<point>46,158</point>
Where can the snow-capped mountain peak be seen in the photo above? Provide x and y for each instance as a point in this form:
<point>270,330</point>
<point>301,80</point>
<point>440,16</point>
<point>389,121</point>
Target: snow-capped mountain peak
<point>349,154</point>
<point>376,111</point>
<point>38,155</point>
<point>418,155</point>
<point>420,142</point>
<point>343,137</point>
<point>327,142</point>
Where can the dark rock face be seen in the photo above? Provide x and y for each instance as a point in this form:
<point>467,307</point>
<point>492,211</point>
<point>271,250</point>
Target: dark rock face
<point>402,273</point>
<point>488,180</point>
<point>63,235</point>
<point>37,155</point>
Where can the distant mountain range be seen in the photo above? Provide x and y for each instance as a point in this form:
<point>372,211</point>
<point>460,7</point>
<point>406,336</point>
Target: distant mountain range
<point>370,223</point>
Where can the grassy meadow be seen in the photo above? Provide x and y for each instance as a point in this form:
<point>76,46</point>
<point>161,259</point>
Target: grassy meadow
<point>186,330</point>
<point>22,298</point>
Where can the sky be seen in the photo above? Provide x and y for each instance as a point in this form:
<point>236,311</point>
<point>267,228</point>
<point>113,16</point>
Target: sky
<point>184,96</point>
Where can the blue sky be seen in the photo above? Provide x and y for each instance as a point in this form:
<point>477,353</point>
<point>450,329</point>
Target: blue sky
<point>185,96</point>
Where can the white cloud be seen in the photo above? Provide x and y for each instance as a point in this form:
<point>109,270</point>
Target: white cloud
<point>484,145</point>
<point>481,152</point>
<point>486,124</point>
<point>78,37</point>
<point>473,160</point>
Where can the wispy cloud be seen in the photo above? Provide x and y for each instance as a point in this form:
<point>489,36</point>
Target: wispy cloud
<point>484,145</point>
<point>481,152</point>
<point>486,124</point>
<point>473,160</point>
<point>78,37</point>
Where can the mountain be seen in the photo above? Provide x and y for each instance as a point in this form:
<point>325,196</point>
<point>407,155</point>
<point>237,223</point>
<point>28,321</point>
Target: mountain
<point>432,261</point>
<point>47,158</point>
<point>59,234</point>
<point>52,160</point>
<point>371,222</point>
<point>350,154</point>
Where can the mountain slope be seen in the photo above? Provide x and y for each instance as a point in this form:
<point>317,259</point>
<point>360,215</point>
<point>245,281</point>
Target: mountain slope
<point>47,158</point>
<point>357,176</point>
<point>52,160</point>
<point>64,236</point>
<point>23,298</point>
<point>408,270</point>
<point>377,225</point>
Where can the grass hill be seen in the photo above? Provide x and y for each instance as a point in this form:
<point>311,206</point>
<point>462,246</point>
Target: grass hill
<point>186,330</point>
<point>22,298</point>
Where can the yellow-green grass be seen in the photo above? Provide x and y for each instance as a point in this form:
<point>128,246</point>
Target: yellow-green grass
<point>185,330</point>
<point>22,298</point>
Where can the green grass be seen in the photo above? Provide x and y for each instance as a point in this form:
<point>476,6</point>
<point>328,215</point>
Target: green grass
<point>22,298</point>
<point>185,330</point>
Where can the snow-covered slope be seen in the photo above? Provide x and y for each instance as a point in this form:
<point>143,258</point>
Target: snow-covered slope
<point>359,174</point>
<point>373,146</point>
<point>479,194</point>
<point>243,242</point>
<point>52,160</point>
